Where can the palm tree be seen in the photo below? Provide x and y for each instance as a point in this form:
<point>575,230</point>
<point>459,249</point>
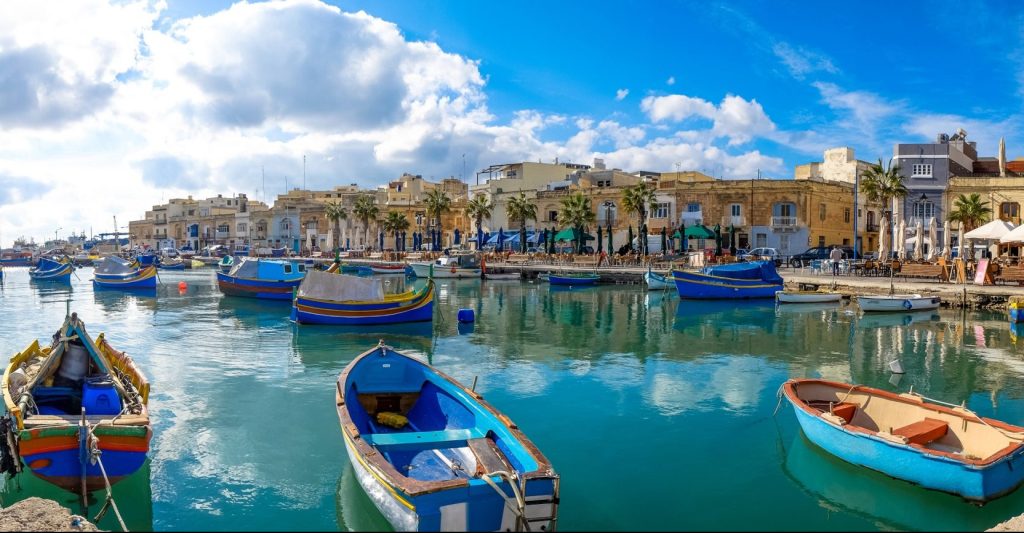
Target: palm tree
<point>395,222</point>
<point>336,212</point>
<point>636,199</point>
<point>970,211</point>
<point>520,209</point>
<point>478,209</point>
<point>576,213</point>
<point>365,209</point>
<point>438,203</point>
<point>884,185</point>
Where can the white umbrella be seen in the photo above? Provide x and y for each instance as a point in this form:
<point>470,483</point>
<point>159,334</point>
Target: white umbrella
<point>309,241</point>
<point>960,241</point>
<point>919,242</point>
<point>932,238</point>
<point>900,240</point>
<point>946,240</point>
<point>883,250</point>
<point>330,239</point>
<point>993,230</point>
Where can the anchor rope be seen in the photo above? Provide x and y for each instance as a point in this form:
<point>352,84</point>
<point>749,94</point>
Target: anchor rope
<point>94,457</point>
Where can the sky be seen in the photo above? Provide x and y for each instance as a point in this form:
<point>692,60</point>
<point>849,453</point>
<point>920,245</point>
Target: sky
<point>110,107</point>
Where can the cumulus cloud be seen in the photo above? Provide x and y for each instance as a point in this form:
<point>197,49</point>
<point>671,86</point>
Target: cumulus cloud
<point>735,117</point>
<point>621,94</point>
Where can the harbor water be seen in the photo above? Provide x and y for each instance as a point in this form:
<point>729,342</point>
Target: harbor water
<point>656,412</point>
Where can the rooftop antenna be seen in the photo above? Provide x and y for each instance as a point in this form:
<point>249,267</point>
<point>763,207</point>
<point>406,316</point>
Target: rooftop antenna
<point>303,171</point>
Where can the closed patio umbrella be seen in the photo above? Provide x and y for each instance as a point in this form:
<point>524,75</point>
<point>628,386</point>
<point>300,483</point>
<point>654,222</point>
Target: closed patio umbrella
<point>380,239</point>
<point>600,241</point>
<point>932,238</point>
<point>403,241</point>
<point>718,239</point>
<point>900,240</point>
<point>960,241</point>
<point>732,239</point>
<point>611,249</point>
<point>501,239</point>
<point>683,244</point>
<point>946,241</point>
<point>664,241</point>
<point>644,248</point>
<point>919,242</point>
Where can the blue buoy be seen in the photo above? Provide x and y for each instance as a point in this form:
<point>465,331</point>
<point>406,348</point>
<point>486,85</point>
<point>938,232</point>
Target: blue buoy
<point>466,315</point>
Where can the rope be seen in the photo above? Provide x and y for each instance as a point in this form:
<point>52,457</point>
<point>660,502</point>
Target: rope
<point>94,457</point>
<point>520,501</point>
<point>1009,435</point>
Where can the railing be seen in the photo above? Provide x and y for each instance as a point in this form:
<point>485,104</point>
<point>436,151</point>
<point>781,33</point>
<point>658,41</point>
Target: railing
<point>871,227</point>
<point>692,217</point>
<point>784,222</point>
<point>730,220</point>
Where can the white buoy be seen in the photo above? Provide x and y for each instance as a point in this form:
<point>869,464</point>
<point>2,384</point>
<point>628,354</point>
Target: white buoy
<point>895,366</point>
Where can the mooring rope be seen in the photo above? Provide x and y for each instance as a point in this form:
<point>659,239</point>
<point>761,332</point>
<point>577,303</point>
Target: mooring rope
<point>94,457</point>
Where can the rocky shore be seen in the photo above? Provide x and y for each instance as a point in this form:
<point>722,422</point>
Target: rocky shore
<point>37,514</point>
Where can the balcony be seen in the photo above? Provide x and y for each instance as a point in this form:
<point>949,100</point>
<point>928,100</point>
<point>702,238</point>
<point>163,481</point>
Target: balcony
<point>784,223</point>
<point>730,220</point>
<point>871,228</point>
<point>692,217</point>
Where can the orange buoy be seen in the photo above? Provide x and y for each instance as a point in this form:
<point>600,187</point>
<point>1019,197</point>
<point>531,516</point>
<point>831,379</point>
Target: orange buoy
<point>182,285</point>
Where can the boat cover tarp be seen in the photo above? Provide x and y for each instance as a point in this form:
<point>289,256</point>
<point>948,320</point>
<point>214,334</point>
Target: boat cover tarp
<point>340,287</point>
<point>763,270</point>
<point>114,265</point>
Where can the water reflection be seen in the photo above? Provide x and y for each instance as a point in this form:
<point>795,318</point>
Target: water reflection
<point>326,345</point>
<point>355,510</point>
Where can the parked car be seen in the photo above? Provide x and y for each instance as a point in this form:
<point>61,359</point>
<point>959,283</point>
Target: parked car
<point>760,253</point>
<point>817,253</point>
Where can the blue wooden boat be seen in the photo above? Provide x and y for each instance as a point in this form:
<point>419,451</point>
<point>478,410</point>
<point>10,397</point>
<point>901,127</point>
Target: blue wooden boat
<point>272,279</point>
<point>432,455</point>
<point>171,264</point>
<point>573,279</point>
<point>49,391</point>
<point>226,263</point>
<point>146,258</point>
<point>116,273</point>
<point>1015,308</point>
<point>338,299</point>
<point>757,279</point>
<point>909,437</point>
<point>52,270</point>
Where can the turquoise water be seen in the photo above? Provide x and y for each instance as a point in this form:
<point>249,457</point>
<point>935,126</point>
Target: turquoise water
<point>657,413</point>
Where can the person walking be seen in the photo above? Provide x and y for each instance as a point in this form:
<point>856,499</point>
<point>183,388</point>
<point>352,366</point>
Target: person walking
<point>835,256</point>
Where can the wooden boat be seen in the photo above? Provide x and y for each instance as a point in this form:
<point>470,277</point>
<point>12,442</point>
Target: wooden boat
<point>456,266</point>
<point>116,273</point>
<point>1,272</point>
<point>806,297</point>
<point>272,279</point>
<point>503,275</point>
<point>583,278</point>
<point>171,264</point>
<point>432,455</point>
<point>387,268</point>
<point>147,258</point>
<point>226,263</point>
<point>49,391</point>
<point>543,277</point>
<point>909,437</point>
<point>1015,307</point>
<point>756,279</point>
<point>657,282</point>
<point>339,299</point>
<point>52,270</point>
<point>898,302</point>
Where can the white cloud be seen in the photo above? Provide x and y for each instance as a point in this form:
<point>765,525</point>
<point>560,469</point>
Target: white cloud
<point>801,61</point>
<point>676,107</point>
<point>735,117</point>
<point>671,80</point>
<point>621,94</point>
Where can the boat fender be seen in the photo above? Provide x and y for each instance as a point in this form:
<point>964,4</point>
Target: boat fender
<point>391,419</point>
<point>907,304</point>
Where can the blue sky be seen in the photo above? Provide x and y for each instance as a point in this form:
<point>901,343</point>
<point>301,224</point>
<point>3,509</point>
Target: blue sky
<point>148,100</point>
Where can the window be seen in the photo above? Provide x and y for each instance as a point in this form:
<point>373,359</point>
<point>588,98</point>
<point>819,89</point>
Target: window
<point>821,211</point>
<point>821,240</point>
<point>223,228</point>
<point>1009,210</point>
<point>736,210</point>
<point>693,207</point>
<point>921,171</point>
<point>924,210</point>
<point>659,211</point>
<point>288,268</point>
<point>552,216</point>
<point>242,228</point>
<point>784,243</point>
<point>871,219</point>
<point>846,215</point>
<point>787,209</point>
<point>760,240</point>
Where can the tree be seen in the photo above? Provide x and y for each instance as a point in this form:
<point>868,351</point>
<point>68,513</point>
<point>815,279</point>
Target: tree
<point>395,222</point>
<point>637,199</point>
<point>520,209</point>
<point>336,212</point>
<point>365,210</point>
<point>576,213</point>
<point>438,203</point>
<point>478,209</point>
<point>884,185</point>
<point>970,211</point>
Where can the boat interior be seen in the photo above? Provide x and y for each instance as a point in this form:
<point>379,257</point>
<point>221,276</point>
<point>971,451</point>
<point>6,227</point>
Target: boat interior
<point>907,419</point>
<point>421,429</point>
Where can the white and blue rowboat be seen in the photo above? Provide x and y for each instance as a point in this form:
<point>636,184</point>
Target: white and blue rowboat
<point>432,455</point>
<point>806,297</point>
<point>657,282</point>
<point>898,302</point>
<point>906,437</point>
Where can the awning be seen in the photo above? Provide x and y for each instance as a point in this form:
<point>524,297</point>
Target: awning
<point>570,234</point>
<point>700,231</point>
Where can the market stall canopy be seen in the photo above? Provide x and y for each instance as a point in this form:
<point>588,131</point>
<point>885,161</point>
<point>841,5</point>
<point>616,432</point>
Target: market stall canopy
<point>700,231</point>
<point>570,234</point>
<point>993,230</point>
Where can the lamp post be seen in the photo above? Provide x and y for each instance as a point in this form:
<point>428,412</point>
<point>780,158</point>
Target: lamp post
<point>55,234</point>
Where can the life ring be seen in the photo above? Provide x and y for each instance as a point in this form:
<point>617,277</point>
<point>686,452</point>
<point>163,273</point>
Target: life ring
<point>907,305</point>
<point>453,269</point>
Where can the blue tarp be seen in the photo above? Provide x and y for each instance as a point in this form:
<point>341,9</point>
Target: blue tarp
<point>763,270</point>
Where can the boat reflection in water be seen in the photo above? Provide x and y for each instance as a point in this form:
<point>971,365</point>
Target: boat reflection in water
<point>874,320</point>
<point>356,512</point>
<point>843,487</point>
<point>754,313</point>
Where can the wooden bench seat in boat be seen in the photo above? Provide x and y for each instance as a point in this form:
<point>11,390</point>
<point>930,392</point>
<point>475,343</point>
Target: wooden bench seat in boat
<point>420,439</point>
<point>923,432</point>
<point>843,410</point>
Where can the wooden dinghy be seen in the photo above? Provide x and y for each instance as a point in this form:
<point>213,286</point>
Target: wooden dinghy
<point>909,437</point>
<point>272,279</point>
<point>343,300</point>
<point>432,455</point>
<point>49,392</point>
<point>388,268</point>
<point>657,282</point>
<point>898,303</point>
<point>806,297</point>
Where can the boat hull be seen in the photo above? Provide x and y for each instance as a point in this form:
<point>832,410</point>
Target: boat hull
<point>657,282</point>
<point>1016,312</point>
<point>696,286</point>
<point>806,297</point>
<point>52,454</point>
<point>256,288</point>
<point>898,303</point>
<point>503,276</point>
<point>422,270</point>
<point>904,462</point>
<point>313,311</point>
<point>140,279</point>
<point>388,269</point>
<point>569,280</point>
<point>59,275</point>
